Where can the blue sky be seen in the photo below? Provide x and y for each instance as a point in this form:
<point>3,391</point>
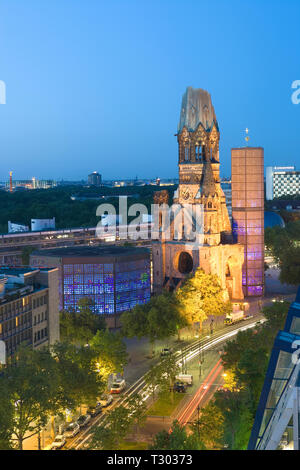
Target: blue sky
<point>97,85</point>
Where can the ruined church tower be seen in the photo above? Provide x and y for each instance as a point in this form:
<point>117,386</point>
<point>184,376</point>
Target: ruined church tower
<point>199,185</point>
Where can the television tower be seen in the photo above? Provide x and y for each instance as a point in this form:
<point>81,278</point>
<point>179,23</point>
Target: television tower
<point>10,182</point>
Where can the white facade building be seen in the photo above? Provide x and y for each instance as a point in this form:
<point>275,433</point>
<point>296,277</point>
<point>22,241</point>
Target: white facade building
<point>281,181</point>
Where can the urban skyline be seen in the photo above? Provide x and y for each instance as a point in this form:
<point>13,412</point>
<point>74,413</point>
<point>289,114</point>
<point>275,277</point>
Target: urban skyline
<point>158,312</point>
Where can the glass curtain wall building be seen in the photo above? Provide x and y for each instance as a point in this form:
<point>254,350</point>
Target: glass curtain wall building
<point>114,278</point>
<point>281,368</point>
<point>247,182</point>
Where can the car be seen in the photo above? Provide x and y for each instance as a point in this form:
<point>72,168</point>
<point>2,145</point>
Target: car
<point>95,410</point>
<point>105,400</point>
<point>179,387</point>
<point>166,352</point>
<point>83,420</point>
<point>58,443</point>
<point>72,429</point>
<point>186,378</point>
<point>118,386</point>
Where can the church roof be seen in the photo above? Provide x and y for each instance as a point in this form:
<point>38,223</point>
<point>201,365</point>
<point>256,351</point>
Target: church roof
<point>196,108</point>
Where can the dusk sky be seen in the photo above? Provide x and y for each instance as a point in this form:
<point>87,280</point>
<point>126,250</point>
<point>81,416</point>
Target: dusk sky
<point>97,85</point>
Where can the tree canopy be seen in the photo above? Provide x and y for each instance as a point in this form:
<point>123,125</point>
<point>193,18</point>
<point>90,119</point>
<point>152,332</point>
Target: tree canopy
<point>200,296</point>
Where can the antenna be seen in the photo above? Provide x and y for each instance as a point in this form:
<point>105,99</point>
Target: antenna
<point>10,182</point>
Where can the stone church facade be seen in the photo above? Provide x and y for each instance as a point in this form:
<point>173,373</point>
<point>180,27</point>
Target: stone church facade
<point>213,249</point>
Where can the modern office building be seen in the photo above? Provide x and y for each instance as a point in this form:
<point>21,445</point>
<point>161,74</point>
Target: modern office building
<point>95,179</point>
<point>247,181</point>
<point>277,420</point>
<point>282,181</point>
<point>29,311</point>
<point>115,278</point>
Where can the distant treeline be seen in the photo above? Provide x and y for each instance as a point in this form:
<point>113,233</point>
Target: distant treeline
<point>21,206</point>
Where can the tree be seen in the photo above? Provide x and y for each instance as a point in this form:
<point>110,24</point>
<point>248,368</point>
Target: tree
<point>110,352</point>
<point>159,319</point>
<point>26,252</point>
<point>31,384</point>
<point>275,315</point>
<point>80,327</point>
<point>169,369</point>
<point>6,416</point>
<point>237,419</point>
<point>154,379</point>
<point>290,266</point>
<point>109,436</point>
<point>209,426</point>
<point>79,381</point>
<point>283,242</point>
<point>177,439</point>
<point>200,296</point>
<point>137,410</point>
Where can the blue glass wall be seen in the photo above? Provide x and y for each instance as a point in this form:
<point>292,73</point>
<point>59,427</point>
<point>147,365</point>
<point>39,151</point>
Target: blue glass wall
<point>113,288</point>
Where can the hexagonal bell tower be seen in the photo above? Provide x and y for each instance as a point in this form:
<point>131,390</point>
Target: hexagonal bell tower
<point>200,191</point>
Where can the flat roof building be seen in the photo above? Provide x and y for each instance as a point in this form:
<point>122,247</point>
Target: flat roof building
<point>29,311</point>
<point>114,278</point>
<point>282,181</point>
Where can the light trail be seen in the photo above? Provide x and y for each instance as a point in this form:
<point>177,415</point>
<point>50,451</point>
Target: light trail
<point>188,353</point>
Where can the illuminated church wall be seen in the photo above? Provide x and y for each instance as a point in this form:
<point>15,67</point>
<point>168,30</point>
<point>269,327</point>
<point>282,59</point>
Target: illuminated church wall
<point>199,184</point>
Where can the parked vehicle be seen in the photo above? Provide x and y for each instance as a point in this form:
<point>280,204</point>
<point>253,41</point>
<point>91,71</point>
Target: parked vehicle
<point>186,378</point>
<point>118,386</point>
<point>58,442</point>
<point>166,352</point>
<point>72,430</point>
<point>105,400</point>
<point>83,420</point>
<point>234,317</point>
<point>95,410</point>
<point>179,387</point>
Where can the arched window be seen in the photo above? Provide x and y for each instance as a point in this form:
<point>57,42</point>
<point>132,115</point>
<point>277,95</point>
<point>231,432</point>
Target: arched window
<point>185,263</point>
<point>209,205</point>
<point>198,152</point>
<point>186,153</point>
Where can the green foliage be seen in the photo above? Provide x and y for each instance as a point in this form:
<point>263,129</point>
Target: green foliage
<point>160,318</point>
<point>208,427</point>
<point>245,359</point>
<point>137,410</point>
<point>110,436</point>
<point>110,352</point>
<point>56,202</point>
<point>31,383</point>
<point>177,439</point>
<point>26,252</point>
<point>161,377</point>
<point>283,243</point>
<point>236,416</point>
<point>200,296</point>
<point>6,417</point>
<point>80,327</point>
<point>79,381</point>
